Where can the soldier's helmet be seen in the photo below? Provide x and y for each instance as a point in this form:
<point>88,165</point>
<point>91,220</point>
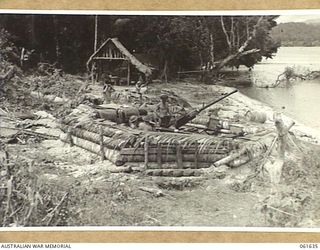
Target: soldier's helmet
<point>164,97</point>
<point>133,119</point>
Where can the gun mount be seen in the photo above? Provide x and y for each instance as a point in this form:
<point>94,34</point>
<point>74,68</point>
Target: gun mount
<point>192,114</point>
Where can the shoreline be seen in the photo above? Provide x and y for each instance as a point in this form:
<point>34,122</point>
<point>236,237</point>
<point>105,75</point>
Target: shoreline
<point>301,130</point>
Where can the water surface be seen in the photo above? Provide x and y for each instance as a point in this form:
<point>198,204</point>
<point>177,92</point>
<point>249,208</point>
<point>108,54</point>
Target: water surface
<point>301,99</point>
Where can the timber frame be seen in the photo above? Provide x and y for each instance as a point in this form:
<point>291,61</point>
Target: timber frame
<point>113,50</point>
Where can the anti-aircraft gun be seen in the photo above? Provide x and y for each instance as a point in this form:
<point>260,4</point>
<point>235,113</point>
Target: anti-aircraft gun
<point>183,120</point>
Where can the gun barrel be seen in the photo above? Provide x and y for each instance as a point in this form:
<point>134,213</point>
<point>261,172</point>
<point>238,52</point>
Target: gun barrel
<point>215,101</point>
<point>191,115</point>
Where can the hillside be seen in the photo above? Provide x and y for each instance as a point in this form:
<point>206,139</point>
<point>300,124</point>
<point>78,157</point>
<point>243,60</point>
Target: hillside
<point>297,34</point>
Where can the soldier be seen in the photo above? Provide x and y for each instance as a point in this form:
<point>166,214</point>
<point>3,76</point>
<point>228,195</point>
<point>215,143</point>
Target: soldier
<point>144,123</point>
<point>107,91</point>
<point>133,121</point>
<point>147,124</point>
<point>163,113</point>
<point>141,88</point>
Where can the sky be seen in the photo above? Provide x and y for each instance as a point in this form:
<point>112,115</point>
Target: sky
<point>297,18</point>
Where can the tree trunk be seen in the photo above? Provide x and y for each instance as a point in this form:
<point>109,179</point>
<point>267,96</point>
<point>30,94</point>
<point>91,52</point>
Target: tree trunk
<point>232,34</point>
<point>200,58</point>
<point>56,37</point>
<point>226,33</point>
<point>33,32</point>
<point>241,51</point>
<point>95,33</point>
<point>164,72</point>
<point>247,28</point>
<point>211,49</point>
<point>95,45</point>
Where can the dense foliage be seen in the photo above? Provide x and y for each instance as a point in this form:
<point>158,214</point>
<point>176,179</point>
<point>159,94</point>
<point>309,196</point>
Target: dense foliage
<point>297,34</point>
<point>177,42</point>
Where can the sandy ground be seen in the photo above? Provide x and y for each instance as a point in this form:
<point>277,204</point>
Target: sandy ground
<point>101,198</point>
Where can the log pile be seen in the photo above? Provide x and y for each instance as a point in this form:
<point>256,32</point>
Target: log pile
<point>155,153</point>
<point>176,155</point>
<point>98,138</point>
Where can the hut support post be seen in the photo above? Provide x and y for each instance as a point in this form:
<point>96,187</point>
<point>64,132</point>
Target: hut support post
<point>93,68</point>
<point>128,76</point>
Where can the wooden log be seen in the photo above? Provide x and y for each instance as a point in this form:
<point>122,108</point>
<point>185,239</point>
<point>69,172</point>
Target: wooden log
<point>120,114</point>
<point>102,145</point>
<point>196,158</point>
<point>110,154</point>
<point>95,138</point>
<point>95,128</point>
<point>174,172</point>
<point>154,165</point>
<point>210,158</point>
<point>146,152</point>
<point>159,156</point>
<point>107,130</point>
<point>69,136</point>
<point>253,149</point>
<point>154,191</point>
<point>239,162</point>
<point>179,157</point>
<point>125,169</point>
<point>172,151</point>
<point>156,137</point>
<point>230,157</point>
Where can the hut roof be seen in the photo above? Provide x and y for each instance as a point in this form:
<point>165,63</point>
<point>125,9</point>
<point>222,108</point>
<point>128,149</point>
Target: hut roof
<point>127,56</point>
<point>147,59</point>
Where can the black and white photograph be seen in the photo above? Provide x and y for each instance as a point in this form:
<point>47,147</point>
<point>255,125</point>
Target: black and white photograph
<point>146,119</point>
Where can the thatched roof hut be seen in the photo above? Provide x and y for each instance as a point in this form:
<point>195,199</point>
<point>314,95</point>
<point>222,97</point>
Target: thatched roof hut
<point>112,50</point>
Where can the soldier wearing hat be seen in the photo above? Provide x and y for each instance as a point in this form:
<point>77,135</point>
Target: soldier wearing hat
<point>133,121</point>
<point>144,123</point>
<point>163,113</point>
